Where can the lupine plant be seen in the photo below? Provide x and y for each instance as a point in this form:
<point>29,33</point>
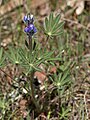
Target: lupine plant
<point>29,58</point>
<point>32,58</point>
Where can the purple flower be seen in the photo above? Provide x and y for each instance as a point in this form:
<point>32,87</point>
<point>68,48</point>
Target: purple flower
<point>28,19</point>
<point>30,29</point>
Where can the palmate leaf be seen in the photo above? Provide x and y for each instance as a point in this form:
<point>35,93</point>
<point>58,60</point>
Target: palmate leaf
<point>28,61</point>
<point>63,79</point>
<point>53,26</point>
<point>13,55</point>
<point>32,61</point>
<point>64,113</point>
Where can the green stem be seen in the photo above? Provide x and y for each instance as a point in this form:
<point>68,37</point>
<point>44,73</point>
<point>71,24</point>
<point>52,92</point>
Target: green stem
<point>47,38</point>
<point>32,91</point>
<point>30,44</point>
<point>32,78</point>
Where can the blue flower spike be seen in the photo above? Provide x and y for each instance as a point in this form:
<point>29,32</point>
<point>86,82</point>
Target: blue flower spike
<point>30,29</point>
